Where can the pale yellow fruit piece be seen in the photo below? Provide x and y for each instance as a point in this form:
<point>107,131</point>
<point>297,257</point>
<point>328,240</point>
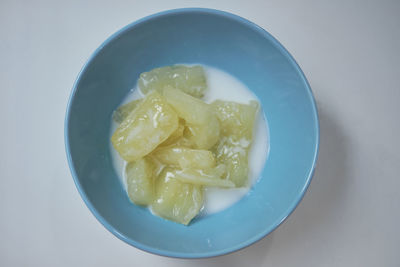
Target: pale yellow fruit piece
<point>150,124</point>
<point>123,111</point>
<point>175,136</point>
<point>191,80</point>
<point>236,119</point>
<point>205,136</point>
<point>176,201</point>
<point>199,177</point>
<point>189,108</point>
<point>200,117</point>
<point>234,155</point>
<point>185,157</point>
<point>196,159</point>
<point>237,123</point>
<point>184,141</point>
<point>157,165</point>
<point>218,171</point>
<point>140,181</point>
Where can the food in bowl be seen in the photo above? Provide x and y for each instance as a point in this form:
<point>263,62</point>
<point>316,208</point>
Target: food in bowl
<point>176,146</point>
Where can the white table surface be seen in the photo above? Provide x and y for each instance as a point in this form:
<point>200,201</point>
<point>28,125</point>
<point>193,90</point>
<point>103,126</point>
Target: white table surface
<point>349,51</point>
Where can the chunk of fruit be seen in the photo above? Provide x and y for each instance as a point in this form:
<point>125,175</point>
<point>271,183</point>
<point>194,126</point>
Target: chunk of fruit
<point>175,136</point>
<point>191,80</point>
<point>184,141</point>
<point>205,136</point>
<point>237,122</point>
<point>150,124</point>
<point>236,119</point>
<point>189,108</point>
<point>201,120</point>
<point>218,171</point>
<point>196,159</point>
<point>123,111</point>
<point>176,201</point>
<point>185,157</point>
<point>234,155</point>
<point>140,181</point>
<point>159,167</point>
<point>200,177</point>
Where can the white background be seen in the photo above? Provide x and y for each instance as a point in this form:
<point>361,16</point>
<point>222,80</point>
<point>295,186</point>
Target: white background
<point>349,51</point>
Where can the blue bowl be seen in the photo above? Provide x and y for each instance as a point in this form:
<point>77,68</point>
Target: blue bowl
<point>214,38</point>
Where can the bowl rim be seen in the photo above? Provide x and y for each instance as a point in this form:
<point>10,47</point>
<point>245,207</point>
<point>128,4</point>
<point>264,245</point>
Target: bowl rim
<point>192,255</point>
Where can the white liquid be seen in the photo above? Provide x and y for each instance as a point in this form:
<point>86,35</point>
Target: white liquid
<point>222,86</point>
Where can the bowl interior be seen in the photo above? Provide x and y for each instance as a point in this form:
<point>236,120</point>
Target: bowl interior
<point>207,37</point>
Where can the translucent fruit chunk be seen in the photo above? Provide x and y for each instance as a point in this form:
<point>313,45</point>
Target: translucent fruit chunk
<point>175,136</point>
<point>184,141</point>
<point>235,157</point>
<point>150,124</point>
<point>200,177</point>
<point>189,108</point>
<point>205,136</point>
<point>218,171</point>
<point>191,80</point>
<point>185,157</point>
<point>140,181</point>
<point>123,111</point>
<point>235,118</point>
<point>199,116</point>
<point>176,201</point>
<point>237,122</point>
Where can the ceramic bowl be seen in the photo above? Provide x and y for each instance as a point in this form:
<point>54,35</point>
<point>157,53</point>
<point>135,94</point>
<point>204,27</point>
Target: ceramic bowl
<point>217,39</point>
